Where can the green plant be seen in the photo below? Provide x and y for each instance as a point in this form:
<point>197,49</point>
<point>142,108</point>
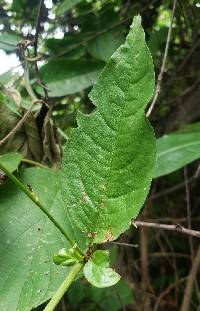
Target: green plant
<point>54,52</point>
<point>106,174</point>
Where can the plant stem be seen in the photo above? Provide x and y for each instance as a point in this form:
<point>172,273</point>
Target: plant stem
<point>34,163</point>
<point>64,286</point>
<point>62,134</point>
<point>177,227</point>
<point>28,85</point>
<point>35,199</point>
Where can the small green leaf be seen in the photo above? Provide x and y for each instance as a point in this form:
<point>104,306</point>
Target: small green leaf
<point>175,151</point>
<point>64,77</point>
<point>98,272</point>
<point>109,159</point>
<point>67,257</point>
<point>11,161</point>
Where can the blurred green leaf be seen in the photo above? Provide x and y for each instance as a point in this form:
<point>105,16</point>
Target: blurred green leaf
<point>11,39</point>
<point>190,128</point>
<point>64,77</point>
<point>8,77</point>
<point>18,5</point>
<point>98,272</point>
<point>157,40</point>
<point>9,102</point>
<point>66,5</point>
<point>104,45</point>
<point>11,160</point>
<point>175,151</point>
<point>83,296</point>
<point>72,45</point>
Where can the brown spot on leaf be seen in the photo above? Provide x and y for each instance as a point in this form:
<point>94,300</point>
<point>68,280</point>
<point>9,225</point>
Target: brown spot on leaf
<point>92,234</point>
<point>102,205</point>
<point>83,199</point>
<point>109,235</point>
<point>103,187</point>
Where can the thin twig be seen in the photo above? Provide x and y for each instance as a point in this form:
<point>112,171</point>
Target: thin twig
<point>11,69</point>
<point>177,227</point>
<point>37,32</point>
<point>34,163</point>
<point>99,33</point>
<point>145,281</point>
<point>162,70</point>
<point>18,125</point>
<point>185,60</point>
<point>167,254</point>
<point>166,292</point>
<point>37,28</point>
<point>28,85</point>
<point>197,172</point>
<point>190,282</point>
<point>119,298</point>
<point>174,188</point>
<point>124,244</point>
<point>34,99</point>
<point>187,190</point>
<point>189,223</point>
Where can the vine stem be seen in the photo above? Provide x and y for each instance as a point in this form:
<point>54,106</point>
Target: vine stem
<point>35,199</point>
<point>64,286</point>
<point>34,163</point>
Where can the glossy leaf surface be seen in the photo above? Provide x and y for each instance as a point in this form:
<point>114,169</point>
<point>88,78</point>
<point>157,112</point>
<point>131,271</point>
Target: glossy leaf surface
<point>175,151</point>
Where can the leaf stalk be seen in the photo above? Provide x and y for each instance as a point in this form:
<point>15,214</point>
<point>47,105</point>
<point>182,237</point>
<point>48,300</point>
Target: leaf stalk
<point>64,287</point>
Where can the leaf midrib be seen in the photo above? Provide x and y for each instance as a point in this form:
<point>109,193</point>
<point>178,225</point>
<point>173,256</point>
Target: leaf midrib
<point>178,148</point>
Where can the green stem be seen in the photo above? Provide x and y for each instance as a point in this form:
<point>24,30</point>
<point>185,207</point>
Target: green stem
<point>34,163</point>
<point>28,85</point>
<point>62,133</point>
<point>34,198</point>
<point>64,286</point>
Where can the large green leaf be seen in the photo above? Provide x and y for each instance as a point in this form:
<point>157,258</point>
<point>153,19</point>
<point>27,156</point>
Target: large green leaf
<point>28,241</point>
<point>109,161</point>
<point>64,77</point>
<point>98,272</point>
<point>175,151</point>
<point>11,160</point>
